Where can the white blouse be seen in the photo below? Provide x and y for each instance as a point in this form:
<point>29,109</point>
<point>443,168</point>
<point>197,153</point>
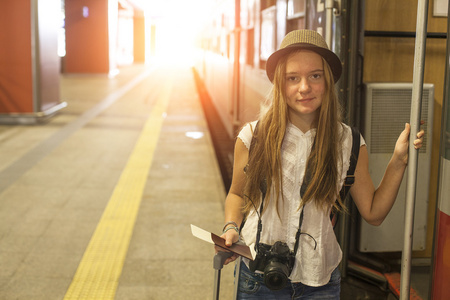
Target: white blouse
<point>312,267</point>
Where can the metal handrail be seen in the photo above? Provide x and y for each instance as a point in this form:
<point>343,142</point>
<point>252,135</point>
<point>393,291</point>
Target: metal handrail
<point>416,104</point>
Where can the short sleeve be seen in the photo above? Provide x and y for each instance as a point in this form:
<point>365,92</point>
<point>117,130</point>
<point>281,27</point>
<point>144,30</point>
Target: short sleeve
<point>362,141</point>
<point>246,133</point>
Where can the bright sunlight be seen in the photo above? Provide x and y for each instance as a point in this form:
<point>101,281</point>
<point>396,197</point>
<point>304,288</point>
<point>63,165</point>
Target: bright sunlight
<point>175,25</point>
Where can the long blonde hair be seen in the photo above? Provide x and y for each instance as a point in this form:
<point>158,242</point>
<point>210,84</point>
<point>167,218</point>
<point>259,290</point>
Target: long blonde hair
<point>264,161</point>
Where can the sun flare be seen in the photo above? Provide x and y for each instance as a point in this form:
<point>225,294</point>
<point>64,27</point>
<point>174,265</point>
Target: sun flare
<point>175,28</point>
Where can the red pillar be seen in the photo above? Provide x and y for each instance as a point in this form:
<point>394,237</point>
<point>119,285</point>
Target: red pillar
<point>16,91</point>
<point>29,62</point>
<point>89,34</point>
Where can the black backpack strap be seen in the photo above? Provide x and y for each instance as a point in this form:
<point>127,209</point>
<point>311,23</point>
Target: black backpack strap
<point>350,178</point>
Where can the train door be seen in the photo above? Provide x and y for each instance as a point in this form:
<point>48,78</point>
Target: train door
<point>381,49</point>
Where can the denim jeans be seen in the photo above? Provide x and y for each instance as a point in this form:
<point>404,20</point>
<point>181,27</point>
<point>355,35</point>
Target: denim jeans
<point>251,286</point>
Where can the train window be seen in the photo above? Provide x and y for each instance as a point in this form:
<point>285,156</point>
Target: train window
<point>228,46</point>
<point>247,13</point>
<point>268,33</point>
<point>296,15</point>
<point>223,44</point>
<point>216,44</point>
<point>296,9</point>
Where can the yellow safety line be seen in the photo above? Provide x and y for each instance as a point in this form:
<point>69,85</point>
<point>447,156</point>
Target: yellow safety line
<point>98,274</point>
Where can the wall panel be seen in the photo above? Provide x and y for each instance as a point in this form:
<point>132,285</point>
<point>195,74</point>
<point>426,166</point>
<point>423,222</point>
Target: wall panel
<point>392,59</point>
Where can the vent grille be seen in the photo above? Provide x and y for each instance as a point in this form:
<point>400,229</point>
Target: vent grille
<point>391,109</point>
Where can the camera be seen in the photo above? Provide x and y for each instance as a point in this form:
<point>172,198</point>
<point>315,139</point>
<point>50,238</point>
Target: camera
<point>276,261</point>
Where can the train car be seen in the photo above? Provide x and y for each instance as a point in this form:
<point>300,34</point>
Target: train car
<point>375,41</point>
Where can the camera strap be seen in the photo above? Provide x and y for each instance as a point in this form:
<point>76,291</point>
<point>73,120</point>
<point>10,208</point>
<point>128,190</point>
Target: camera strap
<point>299,231</point>
<point>305,183</point>
<point>349,180</point>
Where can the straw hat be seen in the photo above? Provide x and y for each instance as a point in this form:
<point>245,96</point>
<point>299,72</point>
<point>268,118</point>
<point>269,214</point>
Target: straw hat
<point>308,40</point>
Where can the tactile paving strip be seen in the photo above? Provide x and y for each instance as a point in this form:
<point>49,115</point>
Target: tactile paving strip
<point>99,271</point>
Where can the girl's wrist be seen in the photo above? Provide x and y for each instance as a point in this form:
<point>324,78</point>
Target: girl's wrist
<point>399,161</point>
<point>230,225</point>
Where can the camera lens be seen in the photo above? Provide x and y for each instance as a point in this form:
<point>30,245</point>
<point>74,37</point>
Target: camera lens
<point>276,275</point>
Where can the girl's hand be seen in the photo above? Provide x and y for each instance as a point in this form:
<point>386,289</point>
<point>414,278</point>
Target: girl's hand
<point>231,237</point>
<point>402,144</point>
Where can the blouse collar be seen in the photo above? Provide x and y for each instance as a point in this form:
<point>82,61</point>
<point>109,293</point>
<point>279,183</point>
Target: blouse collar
<point>296,131</point>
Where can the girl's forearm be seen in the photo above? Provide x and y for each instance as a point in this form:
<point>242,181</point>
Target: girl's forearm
<point>233,209</point>
<point>386,193</point>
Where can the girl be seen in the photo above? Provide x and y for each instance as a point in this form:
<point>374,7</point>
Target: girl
<point>301,133</point>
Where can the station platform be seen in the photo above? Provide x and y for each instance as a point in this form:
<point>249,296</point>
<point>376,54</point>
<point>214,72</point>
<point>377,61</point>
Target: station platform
<point>97,203</point>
